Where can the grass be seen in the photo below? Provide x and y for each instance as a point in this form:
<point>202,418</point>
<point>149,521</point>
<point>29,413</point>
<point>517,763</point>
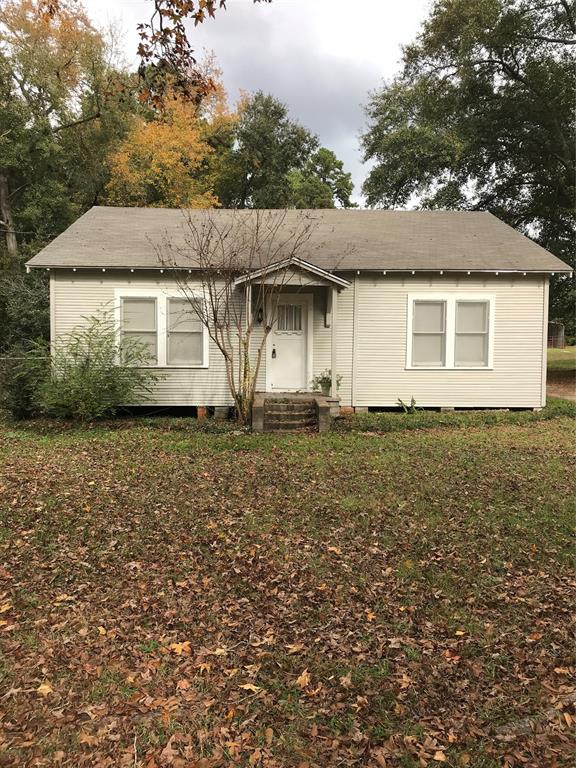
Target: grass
<point>394,421</point>
<point>232,599</point>
<point>562,359</point>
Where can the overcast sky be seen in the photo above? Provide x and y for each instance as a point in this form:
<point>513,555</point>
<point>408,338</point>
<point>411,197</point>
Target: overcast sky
<point>317,56</point>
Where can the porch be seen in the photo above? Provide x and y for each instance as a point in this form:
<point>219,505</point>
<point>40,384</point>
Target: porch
<point>293,411</point>
<point>298,302</point>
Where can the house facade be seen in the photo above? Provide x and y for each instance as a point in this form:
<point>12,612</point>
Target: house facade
<point>448,308</point>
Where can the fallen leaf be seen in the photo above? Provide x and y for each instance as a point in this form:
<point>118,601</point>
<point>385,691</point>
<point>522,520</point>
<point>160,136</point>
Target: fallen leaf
<point>45,689</point>
<point>250,687</point>
<point>303,680</point>
<point>346,680</point>
<point>295,648</point>
<point>181,648</point>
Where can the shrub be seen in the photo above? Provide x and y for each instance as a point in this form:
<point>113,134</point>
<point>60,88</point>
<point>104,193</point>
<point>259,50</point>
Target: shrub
<point>24,309</point>
<point>23,370</point>
<point>421,419</point>
<point>91,377</point>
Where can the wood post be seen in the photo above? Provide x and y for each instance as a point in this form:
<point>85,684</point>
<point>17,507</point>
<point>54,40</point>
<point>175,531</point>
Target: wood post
<point>333,360</point>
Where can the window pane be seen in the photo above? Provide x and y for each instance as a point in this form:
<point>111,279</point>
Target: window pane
<point>289,317</point>
<point>471,350</point>
<point>429,316</point>
<point>139,314</point>
<point>185,349</point>
<point>471,316</point>
<point>428,349</point>
<point>149,342</point>
<point>181,316</point>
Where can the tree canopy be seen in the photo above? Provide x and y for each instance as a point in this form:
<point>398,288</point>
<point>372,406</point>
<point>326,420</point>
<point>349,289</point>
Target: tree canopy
<point>276,163</point>
<point>163,161</point>
<point>481,116</point>
<point>61,105</point>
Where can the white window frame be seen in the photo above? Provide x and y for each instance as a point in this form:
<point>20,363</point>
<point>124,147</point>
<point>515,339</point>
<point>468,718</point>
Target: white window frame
<point>161,296</point>
<point>450,299</point>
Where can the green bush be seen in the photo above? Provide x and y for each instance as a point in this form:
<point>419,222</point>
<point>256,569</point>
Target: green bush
<point>399,421</point>
<point>91,378</point>
<point>23,370</point>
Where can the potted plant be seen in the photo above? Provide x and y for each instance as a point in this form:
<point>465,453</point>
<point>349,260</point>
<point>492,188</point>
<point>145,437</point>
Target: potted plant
<point>323,382</point>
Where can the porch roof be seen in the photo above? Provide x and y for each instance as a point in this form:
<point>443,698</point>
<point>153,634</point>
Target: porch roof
<point>305,266</point>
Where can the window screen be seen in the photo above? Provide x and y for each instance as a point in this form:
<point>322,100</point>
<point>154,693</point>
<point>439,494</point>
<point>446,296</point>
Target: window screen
<point>429,333</point>
<point>289,317</point>
<point>139,323</point>
<point>471,344</point>
<point>185,334</point>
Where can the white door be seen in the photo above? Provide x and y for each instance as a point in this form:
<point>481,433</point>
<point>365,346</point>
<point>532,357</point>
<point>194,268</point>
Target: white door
<point>286,349</point>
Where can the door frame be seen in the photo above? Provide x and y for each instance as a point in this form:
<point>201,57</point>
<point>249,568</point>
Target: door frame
<point>307,300</point>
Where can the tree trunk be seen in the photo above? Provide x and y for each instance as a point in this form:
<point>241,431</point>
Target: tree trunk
<point>7,220</point>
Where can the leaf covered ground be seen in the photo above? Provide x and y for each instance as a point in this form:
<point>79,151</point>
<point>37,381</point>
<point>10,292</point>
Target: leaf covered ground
<point>171,598</point>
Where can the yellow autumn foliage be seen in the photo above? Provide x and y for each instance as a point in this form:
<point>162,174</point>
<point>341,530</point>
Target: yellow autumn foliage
<point>165,162</point>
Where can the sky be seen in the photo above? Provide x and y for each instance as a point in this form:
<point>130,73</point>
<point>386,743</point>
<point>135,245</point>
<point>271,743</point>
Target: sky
<point>320,57</point>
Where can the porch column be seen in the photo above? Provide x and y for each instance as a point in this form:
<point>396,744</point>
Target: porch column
<point>248,301</point>
<point>333,325</point>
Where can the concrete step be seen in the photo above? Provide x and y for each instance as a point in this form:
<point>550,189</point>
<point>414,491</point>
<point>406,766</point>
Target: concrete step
<point>290,423</point>
<point>296,406</point>
<point>290,412</point>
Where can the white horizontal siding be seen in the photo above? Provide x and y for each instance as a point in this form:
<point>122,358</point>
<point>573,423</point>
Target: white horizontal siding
<point>371,341</point>
<point>381,377</point>
<point>345,340</point>
<point>77,297</point>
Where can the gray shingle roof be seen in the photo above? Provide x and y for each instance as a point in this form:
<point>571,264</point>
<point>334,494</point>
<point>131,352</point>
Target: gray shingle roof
<point>341,240</point>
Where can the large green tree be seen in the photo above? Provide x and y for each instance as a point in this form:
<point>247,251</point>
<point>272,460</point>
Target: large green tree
<point>482,117</point>
<point>322,183</point>
<point>274,162</point>
<point>62,106</point>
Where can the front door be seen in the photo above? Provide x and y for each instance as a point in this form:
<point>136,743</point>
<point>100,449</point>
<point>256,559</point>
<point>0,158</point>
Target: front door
<point>286,349</point>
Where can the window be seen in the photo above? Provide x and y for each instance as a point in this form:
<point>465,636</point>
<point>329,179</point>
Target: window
<point>166,323</point>
<point>139,322</point>
<point>429,333</point>
<point>185,334</point>
<point>450,331</point>
<point>471,344</point>
<point>289,317</point>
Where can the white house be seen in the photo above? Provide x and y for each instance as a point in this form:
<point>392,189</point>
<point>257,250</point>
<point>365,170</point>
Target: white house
<point>448,307</point>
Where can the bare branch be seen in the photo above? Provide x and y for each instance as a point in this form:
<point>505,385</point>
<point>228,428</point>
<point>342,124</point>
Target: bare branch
<point>215,251</point>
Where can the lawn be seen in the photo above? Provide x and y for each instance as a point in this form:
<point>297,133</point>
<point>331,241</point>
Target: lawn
<point>562,373</point>
<point>174,598</point>
<point>562,359</point>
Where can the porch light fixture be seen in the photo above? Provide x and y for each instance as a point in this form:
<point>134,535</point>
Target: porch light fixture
<point>259,316</point>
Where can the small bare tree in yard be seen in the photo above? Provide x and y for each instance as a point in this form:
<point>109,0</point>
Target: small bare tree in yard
<point>231,267</point>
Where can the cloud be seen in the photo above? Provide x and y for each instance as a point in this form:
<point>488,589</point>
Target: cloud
<point>317,56</point>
